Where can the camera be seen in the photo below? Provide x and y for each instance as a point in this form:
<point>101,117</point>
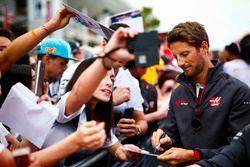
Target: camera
<point>145,48</point>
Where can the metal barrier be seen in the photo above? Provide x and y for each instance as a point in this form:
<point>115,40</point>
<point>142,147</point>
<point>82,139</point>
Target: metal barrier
<point>92,159</point>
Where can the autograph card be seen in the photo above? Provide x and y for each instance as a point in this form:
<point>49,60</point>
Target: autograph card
<point>90,23</point>
<point>143,152</point>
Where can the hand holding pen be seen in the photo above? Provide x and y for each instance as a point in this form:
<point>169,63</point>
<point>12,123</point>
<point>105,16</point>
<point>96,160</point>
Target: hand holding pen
<point>160,141</point>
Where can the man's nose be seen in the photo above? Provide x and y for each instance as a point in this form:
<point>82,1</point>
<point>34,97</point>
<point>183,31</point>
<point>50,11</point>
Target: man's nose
<point>180,61</point>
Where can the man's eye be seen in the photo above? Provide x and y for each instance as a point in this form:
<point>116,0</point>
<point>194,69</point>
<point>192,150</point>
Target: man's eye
<point>185,54</point>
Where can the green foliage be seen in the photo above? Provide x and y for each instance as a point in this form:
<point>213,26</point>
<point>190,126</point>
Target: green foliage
<point>150,22</point>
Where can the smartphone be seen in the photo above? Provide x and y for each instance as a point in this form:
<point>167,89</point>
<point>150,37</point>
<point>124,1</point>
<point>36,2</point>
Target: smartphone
<point>128,113</point>
<point>39,78</point>
<point>21,157</point>
<point>145,48</point>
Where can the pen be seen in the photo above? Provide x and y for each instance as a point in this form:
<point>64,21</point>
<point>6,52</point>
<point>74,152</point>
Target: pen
<point>158,146</point>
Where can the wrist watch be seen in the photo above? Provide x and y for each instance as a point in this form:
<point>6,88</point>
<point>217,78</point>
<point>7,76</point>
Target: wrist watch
<point>138,130</point>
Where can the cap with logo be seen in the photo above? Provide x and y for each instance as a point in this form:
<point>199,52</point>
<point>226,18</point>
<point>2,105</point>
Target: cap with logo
<point>56,47</point>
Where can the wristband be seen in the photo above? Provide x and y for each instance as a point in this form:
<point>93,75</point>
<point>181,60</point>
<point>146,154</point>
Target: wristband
<point>34,35</point>
<point>196,156</point>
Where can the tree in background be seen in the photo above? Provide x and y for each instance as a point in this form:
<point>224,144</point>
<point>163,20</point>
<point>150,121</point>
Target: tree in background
<point>150,22</point>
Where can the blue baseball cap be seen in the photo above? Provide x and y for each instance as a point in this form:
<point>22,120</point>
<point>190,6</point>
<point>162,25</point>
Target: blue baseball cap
<point>56,47</point>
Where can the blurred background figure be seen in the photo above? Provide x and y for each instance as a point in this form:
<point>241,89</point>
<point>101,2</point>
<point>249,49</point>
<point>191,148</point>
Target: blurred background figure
<point>245,48</point>
<point>75,49</point>
<point>223,56</point>
<point>6,36</point>
<point>236,66</point>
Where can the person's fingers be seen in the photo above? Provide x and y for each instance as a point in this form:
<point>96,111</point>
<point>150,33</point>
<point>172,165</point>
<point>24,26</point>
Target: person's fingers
<point>132,33</point>
<point>94,139</point>
<point>91,128</point>
<point>90,123</point>
<point>166,140</point>
<point>133,147</point>
<point>132,155</point>
<point>44,97</point>
<point>126,121</point>
<point>123,55</point>
<point>126,127</point>
<point>125,131</point>
<point>155,139</point>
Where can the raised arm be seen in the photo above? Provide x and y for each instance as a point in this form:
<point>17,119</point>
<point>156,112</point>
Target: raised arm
<point>21,45</point>
<point>91,77</point>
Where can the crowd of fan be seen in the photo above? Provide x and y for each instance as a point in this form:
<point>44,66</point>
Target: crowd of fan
<point>188,109</point>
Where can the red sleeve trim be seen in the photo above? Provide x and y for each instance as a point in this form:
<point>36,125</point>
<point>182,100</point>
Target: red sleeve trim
<point>196,156</point>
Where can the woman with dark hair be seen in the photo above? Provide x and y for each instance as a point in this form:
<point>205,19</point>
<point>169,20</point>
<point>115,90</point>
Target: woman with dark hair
<point>103,110</point>
<point>99,107</point>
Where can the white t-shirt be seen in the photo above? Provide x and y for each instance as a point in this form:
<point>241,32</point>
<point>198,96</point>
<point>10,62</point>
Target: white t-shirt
<point>67,75</point>
<point>61,129</point>
<point>124,78</point>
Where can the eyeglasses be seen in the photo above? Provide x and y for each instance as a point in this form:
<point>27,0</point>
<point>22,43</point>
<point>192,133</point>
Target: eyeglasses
<point>196,121</point>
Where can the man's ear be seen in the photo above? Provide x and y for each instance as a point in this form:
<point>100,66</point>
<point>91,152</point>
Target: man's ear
<point>204,47</point>
<point>46,58</point>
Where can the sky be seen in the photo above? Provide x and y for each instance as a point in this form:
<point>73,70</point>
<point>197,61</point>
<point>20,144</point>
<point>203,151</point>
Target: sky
<point>225,20</point>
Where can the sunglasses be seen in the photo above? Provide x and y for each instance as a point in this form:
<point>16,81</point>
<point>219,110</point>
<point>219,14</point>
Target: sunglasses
<point>196,121</point>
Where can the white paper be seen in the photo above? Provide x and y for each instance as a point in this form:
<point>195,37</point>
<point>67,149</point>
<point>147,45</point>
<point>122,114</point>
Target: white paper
<point>22,114</point>
<point>131,18</point>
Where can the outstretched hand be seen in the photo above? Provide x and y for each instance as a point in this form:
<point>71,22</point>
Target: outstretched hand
<point>177,156</point>
<point>59,20</point>
<point>91,135</point>
<point>119,40</point>
<point>125,155</point>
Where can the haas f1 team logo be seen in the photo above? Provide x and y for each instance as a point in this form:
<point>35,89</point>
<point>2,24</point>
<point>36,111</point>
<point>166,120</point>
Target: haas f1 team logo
<point>215,101</point>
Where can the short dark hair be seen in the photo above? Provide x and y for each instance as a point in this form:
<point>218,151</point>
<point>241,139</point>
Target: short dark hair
<point>233,48</point>
<point>7,34</point>
<point>192,33</point>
